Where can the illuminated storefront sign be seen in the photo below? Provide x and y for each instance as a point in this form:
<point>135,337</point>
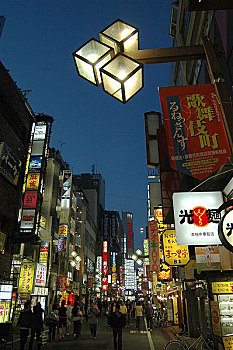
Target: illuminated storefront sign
<point>62,280</point>
<point>44,251</point>
<point>40,132</point>
<point>40,276</point>
<point>130,235</point>
<point>165,272</point>
<point>121,276</point>
<point>146,250</point>
<point>33,181</point>
<point>130,277</point>
<point>30,199</point>
<point>160,227</point>
<point>153,247</point>
<point>28,218</point>
<point>105,266</point>
<point>222,287</point>
<point>225,230</point>
<point>63,230</point>
<point>207,258</point>
<point>35,162</point>
<point>173,254</point>
<point>113,268</point>
<point>196,136</point>
<point>196,217</point>
<point>40,291</point>
<point>42,222</point>
<point>26,278</point>
<point>61,246</point>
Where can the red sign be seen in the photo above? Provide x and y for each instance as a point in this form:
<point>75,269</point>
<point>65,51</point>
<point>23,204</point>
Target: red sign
<point>196,137</point>
<point>30,199</point>
<point>130,238</point>
<point>105,266</point>
<point>62,283</point>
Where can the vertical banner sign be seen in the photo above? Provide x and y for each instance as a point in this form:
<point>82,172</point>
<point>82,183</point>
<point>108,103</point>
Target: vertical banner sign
<point>121,276</point>
<point>165,272</point>
<point>173,254</point>
<point>153,246</point>
<point>196,137</point>
<point>215,316</point>
<point>62,283</point>
<point>161,228</point>
<point>113,268</point>
<point>146,250</point>
<point>26,278</point>
<point>44,251</point>
<point>130,235</point>
<point>105,266</point>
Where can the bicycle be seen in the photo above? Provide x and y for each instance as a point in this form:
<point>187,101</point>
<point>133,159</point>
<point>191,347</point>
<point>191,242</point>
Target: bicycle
<point>203,343</point>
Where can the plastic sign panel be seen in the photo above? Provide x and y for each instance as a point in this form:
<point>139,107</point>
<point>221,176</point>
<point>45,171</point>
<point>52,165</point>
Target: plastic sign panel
<point>146,250</point>
<point>153,246</point>
<point>62,283</point>
<point>222,287</point>
<point>207,258</point>
<point>44,252</point>
<point>196,137</point>
<point>40,277</point>
<point>63,230</point>
<point>228,342</point>
<point>33,181</point>
<point>173,254</point>
<point>30,199</point>
<point>196,217</point>
<point>40,132</point>
<point>215,316</point>
<point>26,277</point>
<point>28,218</point>
<point>61,246</point>
<point>161,228</point>
<point>225,230</point>
<point>165,272</point>
<point>35,162</point>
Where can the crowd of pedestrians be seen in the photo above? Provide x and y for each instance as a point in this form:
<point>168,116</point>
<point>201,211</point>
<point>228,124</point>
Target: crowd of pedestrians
<point>65,319</point>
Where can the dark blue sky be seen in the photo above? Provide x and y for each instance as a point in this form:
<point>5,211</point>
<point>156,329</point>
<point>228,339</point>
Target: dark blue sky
<point>37,42</point>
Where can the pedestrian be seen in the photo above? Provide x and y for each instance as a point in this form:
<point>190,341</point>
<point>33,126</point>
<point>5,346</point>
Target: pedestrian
<point>62,313</point>
<point>76,317</point>
<point>93,313</point>
<point>138,315</point>
<point>53,320</point>
<point>117,322</point>
<point>68,325</point>
<point>99,305</point>
<point>133,309</point>
<point>129,311</point>
<point>149,315</point>
<point>36,326</point>
<point>24,322</point>
<point>123,309</point>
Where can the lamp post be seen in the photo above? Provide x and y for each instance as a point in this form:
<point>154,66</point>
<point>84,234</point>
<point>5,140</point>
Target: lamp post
<point>122,75</point>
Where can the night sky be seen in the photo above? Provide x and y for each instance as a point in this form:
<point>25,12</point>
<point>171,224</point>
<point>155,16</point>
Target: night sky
<point>90,127</point>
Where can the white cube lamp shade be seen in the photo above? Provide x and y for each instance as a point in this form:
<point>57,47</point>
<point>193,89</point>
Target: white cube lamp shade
<point>90,57</point>
<point>122,77</point>
<point>121,36</point>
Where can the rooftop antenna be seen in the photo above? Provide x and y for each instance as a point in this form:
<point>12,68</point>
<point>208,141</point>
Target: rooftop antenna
<point>93,169</point>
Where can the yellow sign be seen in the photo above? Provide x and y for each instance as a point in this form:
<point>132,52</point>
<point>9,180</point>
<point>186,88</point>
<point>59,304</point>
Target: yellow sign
<point>33,181</point>
<point>26,277</point>
<point>175,311</point>
<point>228,342</point>
<point>222,287</point>
<point>161,228</point>
<point>42,222</point>
<point>173,254</point>
<point>63,230</point>
<point>4,311</point>
<point>215,318</point>
<point>155,281</point>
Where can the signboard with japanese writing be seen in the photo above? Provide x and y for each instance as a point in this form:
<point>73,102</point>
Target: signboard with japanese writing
<point>207,258</point>
<point>225,230</point>
<point>161,228</point>
<point>228,342</point>
<point>26,278</point>
<point>146,250</point>
<point>63,230</point>
<point>173,254</point>
<point>62,283</point>
<point>28,218</point>
<point>165,272</point>
<point>61,246</point>
<point>40,277</point>
<point>196,217</point>
<point>222,287</point>
<point>153,246</point>
<point>44,251</point>
<point>196,137</point>
<point>215,318</point>
<point>33,181</point>
<point>42,222</point>
<point>30,199</point>
<point>10,165</point>
<point>35,162</point>
<point>40,132</point>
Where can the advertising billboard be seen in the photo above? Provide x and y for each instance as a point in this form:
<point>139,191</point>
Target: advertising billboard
<point>153,246</point>
<point>174,255</point>
<point>26,277</point>
<point>196,217</point>
<point>196,137</point>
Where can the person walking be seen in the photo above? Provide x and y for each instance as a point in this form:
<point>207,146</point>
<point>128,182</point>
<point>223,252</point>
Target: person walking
<point>53,320</point>
<point>36,327</point>
<point>68,325</point>
<point>62,314</point>
<point>149,315</point>
<point>129,311</point>
<point>93,313</point>
<point>117,322</point>
<point>138,315</point>
<point>123,309</point>
<point>24,322</point>
<point>76,317</point>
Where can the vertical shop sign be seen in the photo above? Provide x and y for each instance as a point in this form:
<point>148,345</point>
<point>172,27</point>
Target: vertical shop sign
<point>165,272</point>
<point>44,251</point>
<point>26,278</point>
<point>105,266</point>
<point>113,268</point>
<point>196,137</point>
<point>215,318</point>
<point>154,247</point>
<point>161,228</point>
<point>228,342</point>
<point>62,283</point>
<point>173,254</point>
<point>40,279</point>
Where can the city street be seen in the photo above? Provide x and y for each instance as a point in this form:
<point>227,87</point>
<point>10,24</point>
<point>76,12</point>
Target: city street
<point>154,340</point>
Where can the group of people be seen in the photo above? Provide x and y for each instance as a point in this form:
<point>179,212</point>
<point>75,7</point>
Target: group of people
<point>118,312</point>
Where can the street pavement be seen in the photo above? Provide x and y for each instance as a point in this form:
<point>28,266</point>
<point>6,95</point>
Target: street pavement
<point>132,340</point>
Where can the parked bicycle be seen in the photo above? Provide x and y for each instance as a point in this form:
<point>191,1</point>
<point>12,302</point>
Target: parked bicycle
<point>203,343</point>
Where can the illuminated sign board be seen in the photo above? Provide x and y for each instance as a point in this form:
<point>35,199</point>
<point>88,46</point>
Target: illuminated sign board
<point>44,251</point>
<point>30,199</point>
<point>63,230</point>
<point>61,246</point>
<point>26,278</point>
<point>40,132</point>
<point>153,246</point>
<point>28,218</point>
<point>196,217</point>
<point>173,254</point>
<point>33,181</point>
<point>35,162</point>
<point>40,277</point>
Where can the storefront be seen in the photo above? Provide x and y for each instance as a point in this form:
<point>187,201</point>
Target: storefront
<point>6,289</point>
